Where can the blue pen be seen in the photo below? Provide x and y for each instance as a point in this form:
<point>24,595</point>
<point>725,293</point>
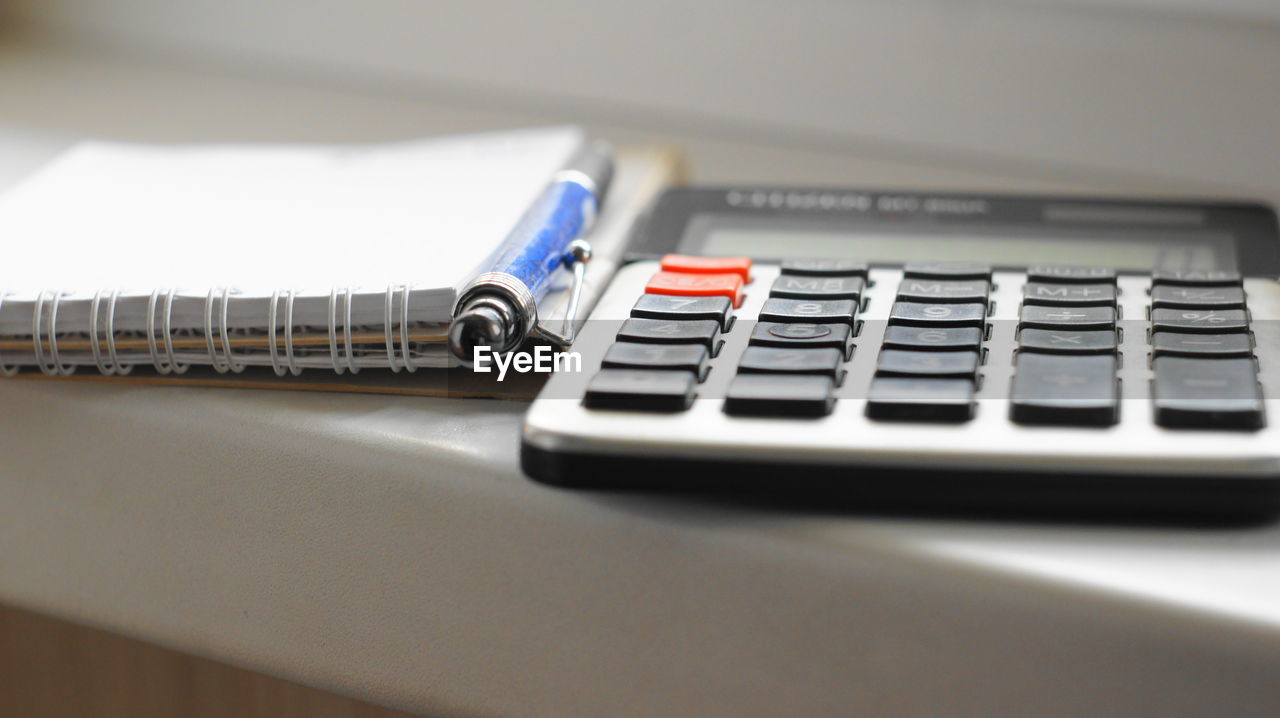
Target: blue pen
<point>499,308</point>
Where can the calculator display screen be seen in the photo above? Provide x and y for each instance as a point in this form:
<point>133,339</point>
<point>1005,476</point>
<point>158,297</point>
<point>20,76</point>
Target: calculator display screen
<point>1006,245</point>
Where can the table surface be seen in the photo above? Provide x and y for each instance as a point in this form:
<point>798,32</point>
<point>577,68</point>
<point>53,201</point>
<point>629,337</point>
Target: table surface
<point>388,548</point>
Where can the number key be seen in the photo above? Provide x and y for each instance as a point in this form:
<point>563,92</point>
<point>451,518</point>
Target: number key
<point>659,306</point>
<point>907,363</point>
<point>776,360</point>
<point>916,314</point>
<point>809,311</point>
<point>640,390</point>
<point>774,334</point>
<point>665,331</point>
<point>932,338</point>
<point>682,357</point>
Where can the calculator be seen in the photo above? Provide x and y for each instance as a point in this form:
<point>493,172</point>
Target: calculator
<point>931,348</point>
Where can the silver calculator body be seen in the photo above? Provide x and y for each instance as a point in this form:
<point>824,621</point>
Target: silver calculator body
<point>932,349</point>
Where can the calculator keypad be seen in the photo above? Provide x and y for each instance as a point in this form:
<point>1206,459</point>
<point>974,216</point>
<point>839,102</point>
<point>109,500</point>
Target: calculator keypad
<point>927,358</point>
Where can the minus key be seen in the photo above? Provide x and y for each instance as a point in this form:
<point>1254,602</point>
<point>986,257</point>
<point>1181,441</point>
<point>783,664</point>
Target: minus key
<point>1201,345</point>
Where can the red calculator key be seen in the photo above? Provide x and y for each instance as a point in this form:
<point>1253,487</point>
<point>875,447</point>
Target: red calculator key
<point>697,285</point>
<point>740,266</point>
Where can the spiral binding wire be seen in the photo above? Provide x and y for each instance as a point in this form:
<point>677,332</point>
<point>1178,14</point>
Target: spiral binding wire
<point>112,364</point>
<point>219,349</point>
<point>271,334</point>
<point>168,365</point>
<point>54,366</point>
<point>346,334</point>
<point>215,361</point>
<point>388,335</point>
<point>333,331</point>
<point>294,369</point>
<point>404,330</point>
<point>4,368</point>
<point>120,369</point>
<point>347,363</point>
<point>226,336</point>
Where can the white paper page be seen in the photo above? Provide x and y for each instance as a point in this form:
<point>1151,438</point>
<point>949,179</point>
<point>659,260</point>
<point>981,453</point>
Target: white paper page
<point>265,217</point>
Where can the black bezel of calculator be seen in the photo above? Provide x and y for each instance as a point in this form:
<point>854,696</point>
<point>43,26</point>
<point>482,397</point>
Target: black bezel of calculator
<point>1253,226</point>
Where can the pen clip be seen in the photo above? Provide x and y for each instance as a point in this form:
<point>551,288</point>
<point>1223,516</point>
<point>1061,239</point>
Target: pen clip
<point>576,258</point>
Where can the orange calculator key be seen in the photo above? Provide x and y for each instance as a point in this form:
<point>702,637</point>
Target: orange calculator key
<point>697,285</point>
<point>740,266</point>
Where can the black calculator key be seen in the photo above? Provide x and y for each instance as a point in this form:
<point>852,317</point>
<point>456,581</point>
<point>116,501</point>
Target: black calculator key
<point>683,357</point>
<point>1197,297</point>
<point>1196,278</point>
<point>1200,321</point>
<point>670,331</point>
<point>932,338</point>
<point>825,267</point>
<point>1207,393</point>
<point>780,395</point>
<point>1053,389</point>
<point>908,363</point>
<point>1068,341</point>
<point>1201,345</point>
<point>916,314</point>
<point>1068,317</point>
<point>1069,295</point>
<point>801,287</point>
<point>940,290</point>
<point>915,399</point>
<point>640,390</point>
<point>663,306</point>
<point>1066,273</point>
<point>800,334</point>
<point>776,360</point>
<point>810,311</point>
<point>947,270</point>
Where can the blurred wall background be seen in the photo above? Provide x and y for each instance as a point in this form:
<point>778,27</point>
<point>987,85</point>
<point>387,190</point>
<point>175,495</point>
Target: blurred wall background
<point>1166,96</point>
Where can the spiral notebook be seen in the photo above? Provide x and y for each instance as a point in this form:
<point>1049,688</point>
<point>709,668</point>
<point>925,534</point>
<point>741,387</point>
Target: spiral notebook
<point>289,257</point>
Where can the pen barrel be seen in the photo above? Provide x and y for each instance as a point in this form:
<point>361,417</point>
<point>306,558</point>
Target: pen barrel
<point>536,248</point>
